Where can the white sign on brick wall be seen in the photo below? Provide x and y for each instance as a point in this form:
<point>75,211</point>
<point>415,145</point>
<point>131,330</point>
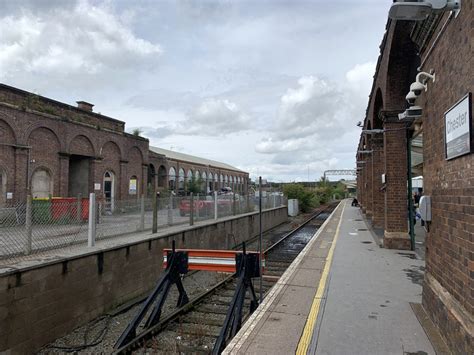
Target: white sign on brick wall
<point>457,122</point>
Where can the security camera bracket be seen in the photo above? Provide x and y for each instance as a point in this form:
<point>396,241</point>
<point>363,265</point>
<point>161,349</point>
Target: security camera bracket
<point>423,77</point>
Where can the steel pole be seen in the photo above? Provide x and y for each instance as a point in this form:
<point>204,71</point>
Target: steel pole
<point>154,227</point>
<point>410,198</point>
<point>92,221</point>
<point>260,236</point>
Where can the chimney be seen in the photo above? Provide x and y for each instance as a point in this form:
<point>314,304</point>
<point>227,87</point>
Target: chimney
<point>84,105</point>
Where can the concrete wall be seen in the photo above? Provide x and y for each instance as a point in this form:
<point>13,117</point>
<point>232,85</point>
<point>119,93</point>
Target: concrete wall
<point>40,304</point>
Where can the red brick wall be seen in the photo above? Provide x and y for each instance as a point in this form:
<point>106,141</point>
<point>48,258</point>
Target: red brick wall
<point>450,183</point>
<point>378,168</point>
<point>396,208</point>
<point>52,139</point>
<point>29,101</point>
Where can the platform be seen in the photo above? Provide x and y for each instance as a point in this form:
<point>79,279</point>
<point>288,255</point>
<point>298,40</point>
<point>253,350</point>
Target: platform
<point>342,295</point>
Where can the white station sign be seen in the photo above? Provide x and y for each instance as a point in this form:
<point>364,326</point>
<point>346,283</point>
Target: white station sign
<point>458,128</point>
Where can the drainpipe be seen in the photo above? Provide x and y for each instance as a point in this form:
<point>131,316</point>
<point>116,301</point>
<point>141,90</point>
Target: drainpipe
<point>410,198</point>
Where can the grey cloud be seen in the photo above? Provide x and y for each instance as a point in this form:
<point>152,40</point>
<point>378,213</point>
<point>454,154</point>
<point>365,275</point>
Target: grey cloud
<point>83,43</point>
<point>211,117</point>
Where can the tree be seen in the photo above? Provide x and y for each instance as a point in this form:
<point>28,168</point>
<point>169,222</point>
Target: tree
<point>194,185</point>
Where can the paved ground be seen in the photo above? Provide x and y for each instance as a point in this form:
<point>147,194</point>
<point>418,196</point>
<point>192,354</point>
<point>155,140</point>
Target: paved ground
<point>364,307</point>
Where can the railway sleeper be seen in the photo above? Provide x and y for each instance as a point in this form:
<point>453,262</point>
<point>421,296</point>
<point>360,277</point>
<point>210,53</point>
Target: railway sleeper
<point>174,342</point>
<point>197,329</point>
<point>211,318</point>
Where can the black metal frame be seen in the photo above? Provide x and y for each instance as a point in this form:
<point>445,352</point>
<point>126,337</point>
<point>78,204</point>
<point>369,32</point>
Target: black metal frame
<point>247,266</point>
<point>176,266</point>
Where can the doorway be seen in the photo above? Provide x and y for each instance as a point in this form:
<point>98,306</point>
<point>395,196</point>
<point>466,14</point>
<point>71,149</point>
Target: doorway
<point>109,191</point>
<point>79,175</point>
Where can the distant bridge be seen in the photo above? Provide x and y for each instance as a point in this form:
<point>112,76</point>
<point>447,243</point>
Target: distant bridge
<point>351,172</point>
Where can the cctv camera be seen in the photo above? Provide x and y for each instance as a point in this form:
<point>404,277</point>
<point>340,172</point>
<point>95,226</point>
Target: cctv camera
<point>417,88</point>
<point>411,98</point>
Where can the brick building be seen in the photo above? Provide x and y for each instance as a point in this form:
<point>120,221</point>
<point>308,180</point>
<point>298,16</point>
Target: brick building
<point>174,170</point>
<point>53,149</point>
<point>392,149</point>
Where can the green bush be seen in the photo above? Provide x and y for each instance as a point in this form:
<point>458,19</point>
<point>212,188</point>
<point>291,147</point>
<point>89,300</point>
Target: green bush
<point>305,197</point>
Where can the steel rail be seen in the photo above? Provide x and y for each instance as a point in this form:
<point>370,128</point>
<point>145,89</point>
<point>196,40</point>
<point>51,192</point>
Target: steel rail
<point>143,337</point>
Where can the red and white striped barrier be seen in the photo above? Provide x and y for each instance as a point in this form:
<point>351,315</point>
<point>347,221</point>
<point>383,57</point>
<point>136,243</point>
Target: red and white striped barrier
<point>210,260</point>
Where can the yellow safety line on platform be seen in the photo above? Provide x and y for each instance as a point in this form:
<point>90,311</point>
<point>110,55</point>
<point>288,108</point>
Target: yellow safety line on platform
<point>313,314</point>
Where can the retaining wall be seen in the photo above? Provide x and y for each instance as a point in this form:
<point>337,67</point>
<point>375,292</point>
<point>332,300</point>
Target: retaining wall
<point>40,304</point>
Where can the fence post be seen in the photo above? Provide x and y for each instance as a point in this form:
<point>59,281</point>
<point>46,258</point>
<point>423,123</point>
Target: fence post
<point>197,208</point>
<point>215,205</point>
<point>154,227</point>
<point>79,208</point>
<point>233,204</point>
<point>142,213</point>
<point>170,210</point>
<point>191,210</point>
<point>28,223</point>
<point>92,221</point>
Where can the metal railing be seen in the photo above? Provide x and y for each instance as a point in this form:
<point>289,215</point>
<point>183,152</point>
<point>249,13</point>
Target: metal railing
<point>37,225</point>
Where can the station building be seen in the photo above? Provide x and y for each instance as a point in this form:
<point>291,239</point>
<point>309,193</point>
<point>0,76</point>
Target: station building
<point>49,148</point>
<point>176,170</point>
<point>435,148</point>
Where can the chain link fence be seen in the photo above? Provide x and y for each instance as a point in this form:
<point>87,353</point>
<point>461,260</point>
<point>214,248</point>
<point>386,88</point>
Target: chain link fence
<point>44,224</point>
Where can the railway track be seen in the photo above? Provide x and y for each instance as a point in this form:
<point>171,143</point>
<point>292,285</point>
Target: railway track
<point>195,327</point>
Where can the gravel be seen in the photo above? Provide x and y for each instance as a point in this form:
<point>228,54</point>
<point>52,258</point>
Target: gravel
<point>104,331</point>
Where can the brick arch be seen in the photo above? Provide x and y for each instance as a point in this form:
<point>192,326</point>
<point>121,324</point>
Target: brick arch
<point>377,122</point>
<point>7,125</point>
<point>403,60</point>
<point>135,152</point>
<point>81,145</point>
<point>46,125</point>
<point>45,146</point>
<point>45,131</point>
<point>111,145</point>
<point>110,150</point>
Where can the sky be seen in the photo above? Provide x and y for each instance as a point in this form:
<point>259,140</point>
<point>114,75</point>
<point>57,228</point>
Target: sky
<point>275,88</point>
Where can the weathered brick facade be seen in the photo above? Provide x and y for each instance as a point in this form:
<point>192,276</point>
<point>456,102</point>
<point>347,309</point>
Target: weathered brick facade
<point>48,136</point>
<point>53,149</point>
<point>448,290</point>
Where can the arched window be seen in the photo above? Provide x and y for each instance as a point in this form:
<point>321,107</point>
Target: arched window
<point>109,190</point>
<point>41,183</point>
<point>150,182</point>
<point>204,185</point>
<point>181,179</point>
<point>190,175</point>
<point>172,178</point>
<point>162,176</point>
